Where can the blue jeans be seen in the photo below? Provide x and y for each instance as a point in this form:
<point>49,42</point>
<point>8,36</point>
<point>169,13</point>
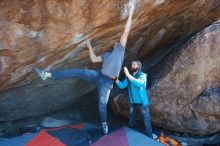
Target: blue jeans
<point>103,83</point>
<point>134,109</point>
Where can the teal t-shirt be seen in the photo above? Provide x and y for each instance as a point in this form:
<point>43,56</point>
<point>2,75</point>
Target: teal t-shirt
<point>135,94</point>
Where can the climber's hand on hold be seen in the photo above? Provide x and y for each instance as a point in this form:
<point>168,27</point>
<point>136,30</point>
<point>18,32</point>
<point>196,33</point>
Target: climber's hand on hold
<point>88,44</point>
<point>131,5</point>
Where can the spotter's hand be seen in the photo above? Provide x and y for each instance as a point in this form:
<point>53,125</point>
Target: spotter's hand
<point>126,71</point>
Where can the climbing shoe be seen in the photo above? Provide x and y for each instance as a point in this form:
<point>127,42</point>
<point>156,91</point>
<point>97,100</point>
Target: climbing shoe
<point>41,73</point>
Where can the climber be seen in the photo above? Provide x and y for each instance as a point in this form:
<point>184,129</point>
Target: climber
<point>136,83</point>
<point>104,78</point>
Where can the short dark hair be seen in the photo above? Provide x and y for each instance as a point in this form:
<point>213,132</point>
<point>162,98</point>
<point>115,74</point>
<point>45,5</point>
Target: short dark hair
<point>138,63</point>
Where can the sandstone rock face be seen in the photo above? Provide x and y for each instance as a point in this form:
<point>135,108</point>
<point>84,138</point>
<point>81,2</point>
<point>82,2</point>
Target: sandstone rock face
<point>185,86</point>
<point>51,34</point>
<point>185,93</point>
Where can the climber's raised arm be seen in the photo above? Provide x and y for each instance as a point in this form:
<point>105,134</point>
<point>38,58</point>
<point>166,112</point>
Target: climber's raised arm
<point>92,55</point>
<point>127,29</point>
